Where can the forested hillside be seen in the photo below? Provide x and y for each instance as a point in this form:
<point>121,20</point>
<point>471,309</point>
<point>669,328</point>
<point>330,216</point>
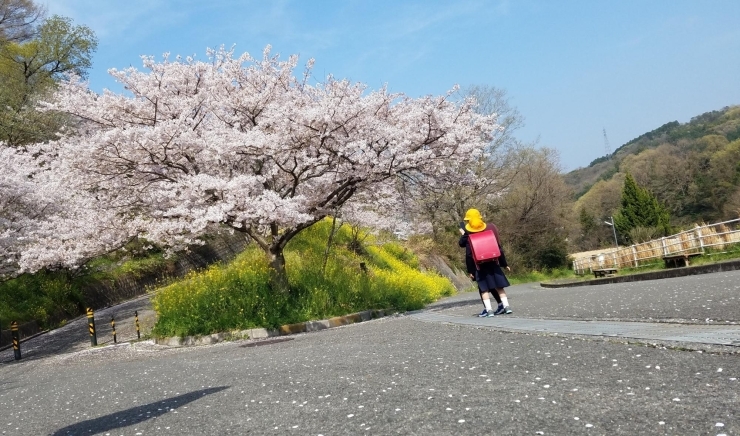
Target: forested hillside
<point>693,168</point>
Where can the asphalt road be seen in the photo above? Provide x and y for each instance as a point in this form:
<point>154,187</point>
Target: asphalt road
<point>398,375</point>
<point>706,298</point>
<point>74,336</point>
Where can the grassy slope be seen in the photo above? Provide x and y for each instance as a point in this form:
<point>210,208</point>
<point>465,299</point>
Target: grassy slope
<point>237,295</point>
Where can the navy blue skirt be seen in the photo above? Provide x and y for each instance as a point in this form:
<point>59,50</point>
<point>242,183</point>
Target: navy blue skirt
<point>490,276</point>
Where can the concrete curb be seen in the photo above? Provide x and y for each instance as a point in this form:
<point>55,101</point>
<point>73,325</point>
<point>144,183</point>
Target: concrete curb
<point>730,265</point>
<point>259,333</point>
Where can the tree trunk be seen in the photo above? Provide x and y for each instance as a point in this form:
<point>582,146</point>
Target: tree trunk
<point>278,273</point>
<point>328,243</point>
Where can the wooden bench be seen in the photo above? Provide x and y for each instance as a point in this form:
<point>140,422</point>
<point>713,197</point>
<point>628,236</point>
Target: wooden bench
<point>678,260</point>
<point>604,272</point>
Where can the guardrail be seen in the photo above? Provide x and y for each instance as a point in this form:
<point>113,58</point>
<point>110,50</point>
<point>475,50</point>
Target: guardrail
<point>689,242</point>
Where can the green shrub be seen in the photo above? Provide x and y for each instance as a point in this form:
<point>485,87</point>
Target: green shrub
<point>52,297</point>
<point>43,297</point>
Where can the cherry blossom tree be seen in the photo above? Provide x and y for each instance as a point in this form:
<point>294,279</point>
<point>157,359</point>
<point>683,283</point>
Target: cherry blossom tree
<point>193,147</point>
<point>44,220</point>
<point>18,205</point>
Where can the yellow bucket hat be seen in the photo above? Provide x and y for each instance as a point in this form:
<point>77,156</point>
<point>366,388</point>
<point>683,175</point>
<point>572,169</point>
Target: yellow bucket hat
<point>472,213</point>
<point>475,225</point>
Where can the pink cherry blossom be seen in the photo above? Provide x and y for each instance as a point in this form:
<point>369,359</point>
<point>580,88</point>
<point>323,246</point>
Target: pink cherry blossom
<point>233,143</point>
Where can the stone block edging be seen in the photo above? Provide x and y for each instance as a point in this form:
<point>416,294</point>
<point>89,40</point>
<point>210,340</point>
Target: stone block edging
<point>260,333</point>
<point>731,265</point>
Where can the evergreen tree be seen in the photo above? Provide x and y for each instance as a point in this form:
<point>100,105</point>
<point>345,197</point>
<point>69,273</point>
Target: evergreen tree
<point>588,221</point>
<point>640,208</point>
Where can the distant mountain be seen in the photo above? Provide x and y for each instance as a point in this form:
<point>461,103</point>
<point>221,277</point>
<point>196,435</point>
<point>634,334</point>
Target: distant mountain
<point>693,167</point>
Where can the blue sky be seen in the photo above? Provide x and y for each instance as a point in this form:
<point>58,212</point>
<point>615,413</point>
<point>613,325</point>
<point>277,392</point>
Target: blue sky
<point>572,68</point>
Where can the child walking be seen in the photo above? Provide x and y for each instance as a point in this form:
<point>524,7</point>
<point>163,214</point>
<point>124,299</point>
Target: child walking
<point>489,276</point>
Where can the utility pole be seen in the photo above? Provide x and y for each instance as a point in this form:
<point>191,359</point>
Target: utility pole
<point>614,229</point>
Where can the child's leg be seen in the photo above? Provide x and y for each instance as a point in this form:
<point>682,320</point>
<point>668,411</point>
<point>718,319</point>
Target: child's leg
<point>495,296</point>
<point>486,297</point>
<point>486,289</point>
<point>502,296</point>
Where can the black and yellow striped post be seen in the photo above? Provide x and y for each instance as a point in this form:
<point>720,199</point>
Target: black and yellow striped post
<point>136,317</point>
<point>91,327</point>
<point>113,327</point>
<point>16,340</point>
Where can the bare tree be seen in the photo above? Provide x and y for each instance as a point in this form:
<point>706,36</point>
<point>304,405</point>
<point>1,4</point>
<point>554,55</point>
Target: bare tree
<point>18,19</point>
<point>535,214</point>
<point>492,100</point>
<point>445,201</point>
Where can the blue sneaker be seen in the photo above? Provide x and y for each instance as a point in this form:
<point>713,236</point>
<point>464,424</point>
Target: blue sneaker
<point>484,314</point>
<point>500,311</point>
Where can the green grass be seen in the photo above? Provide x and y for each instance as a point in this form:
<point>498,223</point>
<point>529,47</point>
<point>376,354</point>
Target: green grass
<point>107,269</point>
<point>709,257</point>
<point>717,255</point>
<point>237,295</point>
<point>540,276</point>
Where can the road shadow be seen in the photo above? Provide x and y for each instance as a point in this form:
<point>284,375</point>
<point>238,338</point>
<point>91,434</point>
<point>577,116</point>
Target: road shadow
<point>260,343</point>
<point>134,415</point>
<point>452,304</point>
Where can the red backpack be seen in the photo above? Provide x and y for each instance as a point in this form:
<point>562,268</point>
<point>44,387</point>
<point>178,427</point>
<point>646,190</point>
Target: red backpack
<point>484,247</point>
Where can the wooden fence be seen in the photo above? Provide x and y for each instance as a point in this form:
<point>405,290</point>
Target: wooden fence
<point>691,242</point>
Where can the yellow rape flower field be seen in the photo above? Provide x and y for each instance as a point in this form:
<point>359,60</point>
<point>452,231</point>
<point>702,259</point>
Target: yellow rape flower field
<point>237,295</point>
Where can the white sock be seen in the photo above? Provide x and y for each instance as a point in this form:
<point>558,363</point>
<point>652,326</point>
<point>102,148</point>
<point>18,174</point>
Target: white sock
<point>487,303</point>
<point>505,301</point>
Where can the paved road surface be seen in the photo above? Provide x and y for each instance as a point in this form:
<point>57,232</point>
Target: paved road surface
<point>74,336</point>
<point>399,375</point>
